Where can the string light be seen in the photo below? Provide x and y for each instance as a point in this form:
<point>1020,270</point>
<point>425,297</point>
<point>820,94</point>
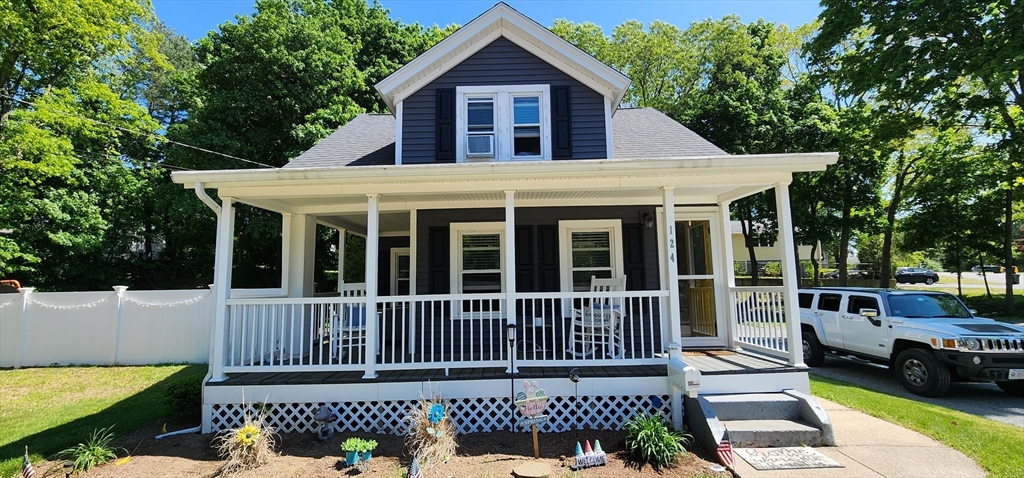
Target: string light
<point>191,301</point>
<point>32,300</point>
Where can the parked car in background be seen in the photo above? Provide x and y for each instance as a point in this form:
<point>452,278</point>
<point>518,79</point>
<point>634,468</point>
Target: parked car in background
<point>912,275</point>
<point>852,274</point>
<point>987,268</point>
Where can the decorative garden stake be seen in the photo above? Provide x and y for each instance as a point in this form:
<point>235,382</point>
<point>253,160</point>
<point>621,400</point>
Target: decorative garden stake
<point>587,457</point>
<point>531,404</point>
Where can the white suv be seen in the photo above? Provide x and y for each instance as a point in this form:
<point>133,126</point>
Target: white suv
<point>927,338</point>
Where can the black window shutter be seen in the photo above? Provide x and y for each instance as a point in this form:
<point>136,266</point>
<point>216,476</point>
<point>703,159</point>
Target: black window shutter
<point>561,122</point>
<point>445,124</point>
<point>439,254</point>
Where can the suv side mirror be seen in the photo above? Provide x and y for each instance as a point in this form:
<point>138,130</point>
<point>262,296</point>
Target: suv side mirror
<point>869,312</point>
<point>973,311</point>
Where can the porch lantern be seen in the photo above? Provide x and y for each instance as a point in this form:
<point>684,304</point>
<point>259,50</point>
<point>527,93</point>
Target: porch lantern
<point>647,220</point>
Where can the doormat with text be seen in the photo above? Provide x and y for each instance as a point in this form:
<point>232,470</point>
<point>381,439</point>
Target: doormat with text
<point>787,458</point>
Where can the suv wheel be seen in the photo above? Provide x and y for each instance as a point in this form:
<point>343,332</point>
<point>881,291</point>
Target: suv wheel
<point>921,374</point>
<point>814,353</point>
<point>929,281</point>
<point>1015,388</point>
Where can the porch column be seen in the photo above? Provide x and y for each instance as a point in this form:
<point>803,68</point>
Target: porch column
<point>789,276</point>
<point>730,276</point>
<point>675,325</point>
<point>342,232</point>
<point>510,273</point>
<point>370,277</point>
<point>299,234</point>
<point>222,284</point>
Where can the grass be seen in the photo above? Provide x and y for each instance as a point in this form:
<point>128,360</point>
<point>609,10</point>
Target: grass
<point>996,447</point>
<point>50,409</point>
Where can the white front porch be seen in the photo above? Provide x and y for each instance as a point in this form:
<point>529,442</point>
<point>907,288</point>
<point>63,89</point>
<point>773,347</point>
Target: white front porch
<point>690,302</point>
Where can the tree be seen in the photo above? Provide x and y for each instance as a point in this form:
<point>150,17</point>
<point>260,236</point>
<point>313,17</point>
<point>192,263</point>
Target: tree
<point>967,54</point>
<point>68,129</point>
<point>276,82</point>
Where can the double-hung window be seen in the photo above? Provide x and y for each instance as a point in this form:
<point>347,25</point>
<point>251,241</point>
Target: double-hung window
<point>478,264</point>
<point>589,248</point>
<point>503,123</point>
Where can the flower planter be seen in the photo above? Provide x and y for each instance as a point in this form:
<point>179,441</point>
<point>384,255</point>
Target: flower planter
<point>351,457</point>
<point>367,455</point>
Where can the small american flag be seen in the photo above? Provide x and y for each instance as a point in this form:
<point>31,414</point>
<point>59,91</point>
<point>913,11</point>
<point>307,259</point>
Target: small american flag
<point>414,469</point>
<point>26,469</point>
<point>724,451</point>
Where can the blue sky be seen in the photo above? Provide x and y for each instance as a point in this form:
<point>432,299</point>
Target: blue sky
<point>196,17</point>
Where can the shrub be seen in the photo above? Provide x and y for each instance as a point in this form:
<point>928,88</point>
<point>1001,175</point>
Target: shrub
<point>431,436</point>
<point>95,451</point>
<point>358,445</point>
<point>185,396</point>
<point>649,440</point>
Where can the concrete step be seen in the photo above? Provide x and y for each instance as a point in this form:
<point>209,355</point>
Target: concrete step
<point>755,406</point>
<point>772,433</point>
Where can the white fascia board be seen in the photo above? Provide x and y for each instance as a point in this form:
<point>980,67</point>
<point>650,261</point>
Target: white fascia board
<point>502,20</point>
<point>696,165</point>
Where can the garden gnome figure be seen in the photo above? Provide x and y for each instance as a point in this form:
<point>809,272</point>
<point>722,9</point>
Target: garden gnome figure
<point>325,418</point>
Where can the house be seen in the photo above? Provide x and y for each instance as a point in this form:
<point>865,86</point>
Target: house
<point>504,189</point>
<point>767,249</point>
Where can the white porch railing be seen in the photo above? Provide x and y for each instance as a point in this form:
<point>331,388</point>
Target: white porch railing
<point>444,331</point>
<point>590,328</point>
<point>295,334</point>
<point>761,319</point>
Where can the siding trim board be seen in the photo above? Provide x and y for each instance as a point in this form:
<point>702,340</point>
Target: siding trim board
<point>502,62</point>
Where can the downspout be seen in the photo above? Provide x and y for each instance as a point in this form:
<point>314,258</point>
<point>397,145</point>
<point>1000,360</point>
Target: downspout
<point>201,193</point>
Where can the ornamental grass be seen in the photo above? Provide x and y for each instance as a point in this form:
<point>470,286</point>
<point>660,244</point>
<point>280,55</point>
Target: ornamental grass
<point>431,435</point>
<point>246,447</point>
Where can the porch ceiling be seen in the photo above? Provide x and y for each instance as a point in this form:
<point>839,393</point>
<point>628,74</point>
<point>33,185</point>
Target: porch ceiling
<point>325,205</point>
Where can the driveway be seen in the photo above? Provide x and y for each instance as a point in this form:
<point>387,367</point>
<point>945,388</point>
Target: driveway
<point>983,399</point>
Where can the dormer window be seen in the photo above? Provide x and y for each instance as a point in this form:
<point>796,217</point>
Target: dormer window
<point>503,123</point>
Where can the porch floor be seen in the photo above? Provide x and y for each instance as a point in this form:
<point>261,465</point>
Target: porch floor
<point>708,362</point>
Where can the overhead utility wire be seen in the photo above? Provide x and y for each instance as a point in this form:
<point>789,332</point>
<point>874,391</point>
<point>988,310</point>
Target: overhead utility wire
<point>140,133</point>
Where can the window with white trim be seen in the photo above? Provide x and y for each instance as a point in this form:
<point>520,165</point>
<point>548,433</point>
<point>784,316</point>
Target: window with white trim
<point>503,123</point>
<point>589,248</point>
<point>478,257</point>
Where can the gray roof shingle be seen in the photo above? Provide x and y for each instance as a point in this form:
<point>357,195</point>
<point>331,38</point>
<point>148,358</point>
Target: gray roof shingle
<point>638,133</point>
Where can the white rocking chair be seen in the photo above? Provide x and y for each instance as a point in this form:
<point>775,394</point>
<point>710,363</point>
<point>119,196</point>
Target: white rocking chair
<point>599,323</point>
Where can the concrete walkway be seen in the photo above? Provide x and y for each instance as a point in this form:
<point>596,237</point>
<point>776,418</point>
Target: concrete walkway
<point>871,447</point>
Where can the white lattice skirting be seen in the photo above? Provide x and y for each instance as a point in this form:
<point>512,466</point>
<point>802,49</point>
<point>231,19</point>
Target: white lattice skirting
<point>469,414</point>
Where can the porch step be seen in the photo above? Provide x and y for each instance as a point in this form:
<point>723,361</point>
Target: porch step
<point>755,406</point>
<point>787,418</point>
<point>771,433</point>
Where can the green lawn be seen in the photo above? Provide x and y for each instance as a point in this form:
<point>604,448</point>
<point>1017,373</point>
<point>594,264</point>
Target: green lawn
<point>50,409</point>
<point>997,447</point>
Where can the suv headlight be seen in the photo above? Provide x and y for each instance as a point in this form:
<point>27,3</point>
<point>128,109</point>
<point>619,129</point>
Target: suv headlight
<point>969,344</point>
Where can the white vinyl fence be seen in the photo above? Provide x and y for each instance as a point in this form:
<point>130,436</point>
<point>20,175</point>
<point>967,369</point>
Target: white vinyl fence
<point>103,328</point>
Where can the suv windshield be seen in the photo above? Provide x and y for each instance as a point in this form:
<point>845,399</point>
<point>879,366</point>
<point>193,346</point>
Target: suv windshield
<point>927,306</point>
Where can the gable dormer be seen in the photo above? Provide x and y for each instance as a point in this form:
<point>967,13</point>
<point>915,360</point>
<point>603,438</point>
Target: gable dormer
<point>502,88</point>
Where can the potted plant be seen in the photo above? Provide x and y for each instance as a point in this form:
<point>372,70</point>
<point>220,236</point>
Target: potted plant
<point>357,448</point>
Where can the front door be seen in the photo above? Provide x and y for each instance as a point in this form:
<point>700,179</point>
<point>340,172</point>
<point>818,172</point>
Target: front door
<point>867,335</point>
<point>701,317</point>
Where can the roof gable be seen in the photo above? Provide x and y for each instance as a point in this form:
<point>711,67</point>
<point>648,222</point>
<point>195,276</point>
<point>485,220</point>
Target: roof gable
<point>502,21</point>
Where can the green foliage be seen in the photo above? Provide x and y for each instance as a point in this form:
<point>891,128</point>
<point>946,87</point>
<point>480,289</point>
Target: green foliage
<point>773,269</point>
<point>649,440</point>
<point>358,445</point>
<point>95,451</point>
<point>185,396</point>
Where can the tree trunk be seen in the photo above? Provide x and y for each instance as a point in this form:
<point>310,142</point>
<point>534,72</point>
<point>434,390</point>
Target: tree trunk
<point>844,246</point>
<point>814,264</point>
<point>1008,248</point>
<point>745,224</point>
<point>959,283</point>
<point>984,276</point>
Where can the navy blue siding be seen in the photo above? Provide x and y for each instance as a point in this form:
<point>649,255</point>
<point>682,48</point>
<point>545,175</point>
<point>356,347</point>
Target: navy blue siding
<point>543,216</point>
<point>502,63</point>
